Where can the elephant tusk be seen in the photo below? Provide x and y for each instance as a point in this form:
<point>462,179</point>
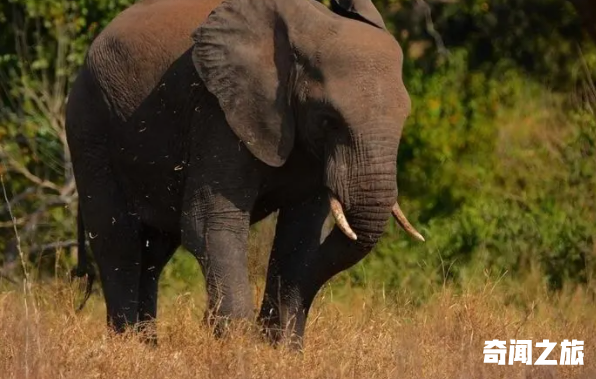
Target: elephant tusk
<point>340,218</point>
<point>404,223</point>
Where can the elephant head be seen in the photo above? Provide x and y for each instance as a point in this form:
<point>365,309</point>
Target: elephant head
<point>289,72</point>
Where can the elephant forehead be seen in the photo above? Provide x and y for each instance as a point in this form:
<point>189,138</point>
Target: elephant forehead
<point>368,60</point>
<point>373,67</point>
<point>356,38</point>
<point>372,93</point>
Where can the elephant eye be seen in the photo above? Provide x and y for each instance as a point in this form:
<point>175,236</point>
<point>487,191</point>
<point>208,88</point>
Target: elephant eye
<point>330,123</point>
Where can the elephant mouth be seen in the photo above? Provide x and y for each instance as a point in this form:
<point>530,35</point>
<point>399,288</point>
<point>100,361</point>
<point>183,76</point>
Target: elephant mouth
<point>342,222</point>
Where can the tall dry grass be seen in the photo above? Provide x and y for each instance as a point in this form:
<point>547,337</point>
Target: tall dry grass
<point>367,336</point>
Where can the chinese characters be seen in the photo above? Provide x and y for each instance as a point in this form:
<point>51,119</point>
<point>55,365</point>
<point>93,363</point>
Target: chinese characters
<point>495,351</point>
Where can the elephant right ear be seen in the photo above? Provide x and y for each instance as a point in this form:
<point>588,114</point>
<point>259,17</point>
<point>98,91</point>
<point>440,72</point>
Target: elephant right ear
<point>243,55</point>
<point>361,10</point>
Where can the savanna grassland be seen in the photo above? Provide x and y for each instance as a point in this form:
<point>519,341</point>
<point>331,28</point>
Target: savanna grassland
<point>496,168</point>
<point>367,336</point>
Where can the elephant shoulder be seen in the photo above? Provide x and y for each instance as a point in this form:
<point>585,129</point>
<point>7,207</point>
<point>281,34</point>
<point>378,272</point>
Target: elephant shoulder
<point>130,56</point>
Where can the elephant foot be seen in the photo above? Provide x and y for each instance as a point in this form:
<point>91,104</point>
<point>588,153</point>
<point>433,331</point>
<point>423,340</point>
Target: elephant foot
<point>222,326</point>
<point>282,334</point>
<point>280,338</point>
<point>143,331</point>
<point>270,331</point>
<point>147,332</point>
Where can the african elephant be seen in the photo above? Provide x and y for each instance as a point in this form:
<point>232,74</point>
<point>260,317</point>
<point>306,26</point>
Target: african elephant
<point>192,119</point>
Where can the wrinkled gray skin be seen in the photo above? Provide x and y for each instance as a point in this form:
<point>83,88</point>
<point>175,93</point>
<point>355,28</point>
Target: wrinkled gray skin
<point>181,137</point>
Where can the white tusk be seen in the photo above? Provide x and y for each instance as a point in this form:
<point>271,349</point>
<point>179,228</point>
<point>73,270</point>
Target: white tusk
<point>404,223</point>
<point>340,218</point>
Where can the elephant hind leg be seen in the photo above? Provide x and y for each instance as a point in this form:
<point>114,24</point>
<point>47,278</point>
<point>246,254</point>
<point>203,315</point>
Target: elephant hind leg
<point>112,230</point>
<point>115,242</point>
<point>158,248</point>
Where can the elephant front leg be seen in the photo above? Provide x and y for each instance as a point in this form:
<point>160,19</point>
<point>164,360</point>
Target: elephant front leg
<point>285,303</point>
<point>215,230</point>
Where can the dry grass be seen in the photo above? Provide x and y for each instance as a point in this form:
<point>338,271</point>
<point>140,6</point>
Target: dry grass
<point>365,337</point>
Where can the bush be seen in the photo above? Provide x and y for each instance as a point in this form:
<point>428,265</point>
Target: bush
<point>503,173</point>
<point>43,43</point>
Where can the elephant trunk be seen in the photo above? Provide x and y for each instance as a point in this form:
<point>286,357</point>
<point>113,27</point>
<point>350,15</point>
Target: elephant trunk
<point>371,199</point>
<point>363,189</point>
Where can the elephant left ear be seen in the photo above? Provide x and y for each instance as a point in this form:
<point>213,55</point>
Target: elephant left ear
<point>361,10</point>
<point>243,54</point>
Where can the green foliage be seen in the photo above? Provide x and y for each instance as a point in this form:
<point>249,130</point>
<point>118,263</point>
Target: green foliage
<point>539,37</point>
<point>503,174</point>
<point>182,274</point>
<point>43,43</point>
<point>495,158</point>
<point>496,165</point>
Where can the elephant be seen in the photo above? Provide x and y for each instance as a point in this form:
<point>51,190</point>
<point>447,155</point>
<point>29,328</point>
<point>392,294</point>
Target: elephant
<point>190,120</point>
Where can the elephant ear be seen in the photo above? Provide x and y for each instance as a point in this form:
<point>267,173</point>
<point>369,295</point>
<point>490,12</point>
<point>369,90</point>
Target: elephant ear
<point>361,10</point>
<point>243,55</point>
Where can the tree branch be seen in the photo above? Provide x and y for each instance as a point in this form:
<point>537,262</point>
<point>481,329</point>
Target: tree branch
<point>7,278</point>
<point>52,246</point>
<point>18,198</point>
<point>12,223</point>
<point>430,26</point>
<point>15,166</point>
